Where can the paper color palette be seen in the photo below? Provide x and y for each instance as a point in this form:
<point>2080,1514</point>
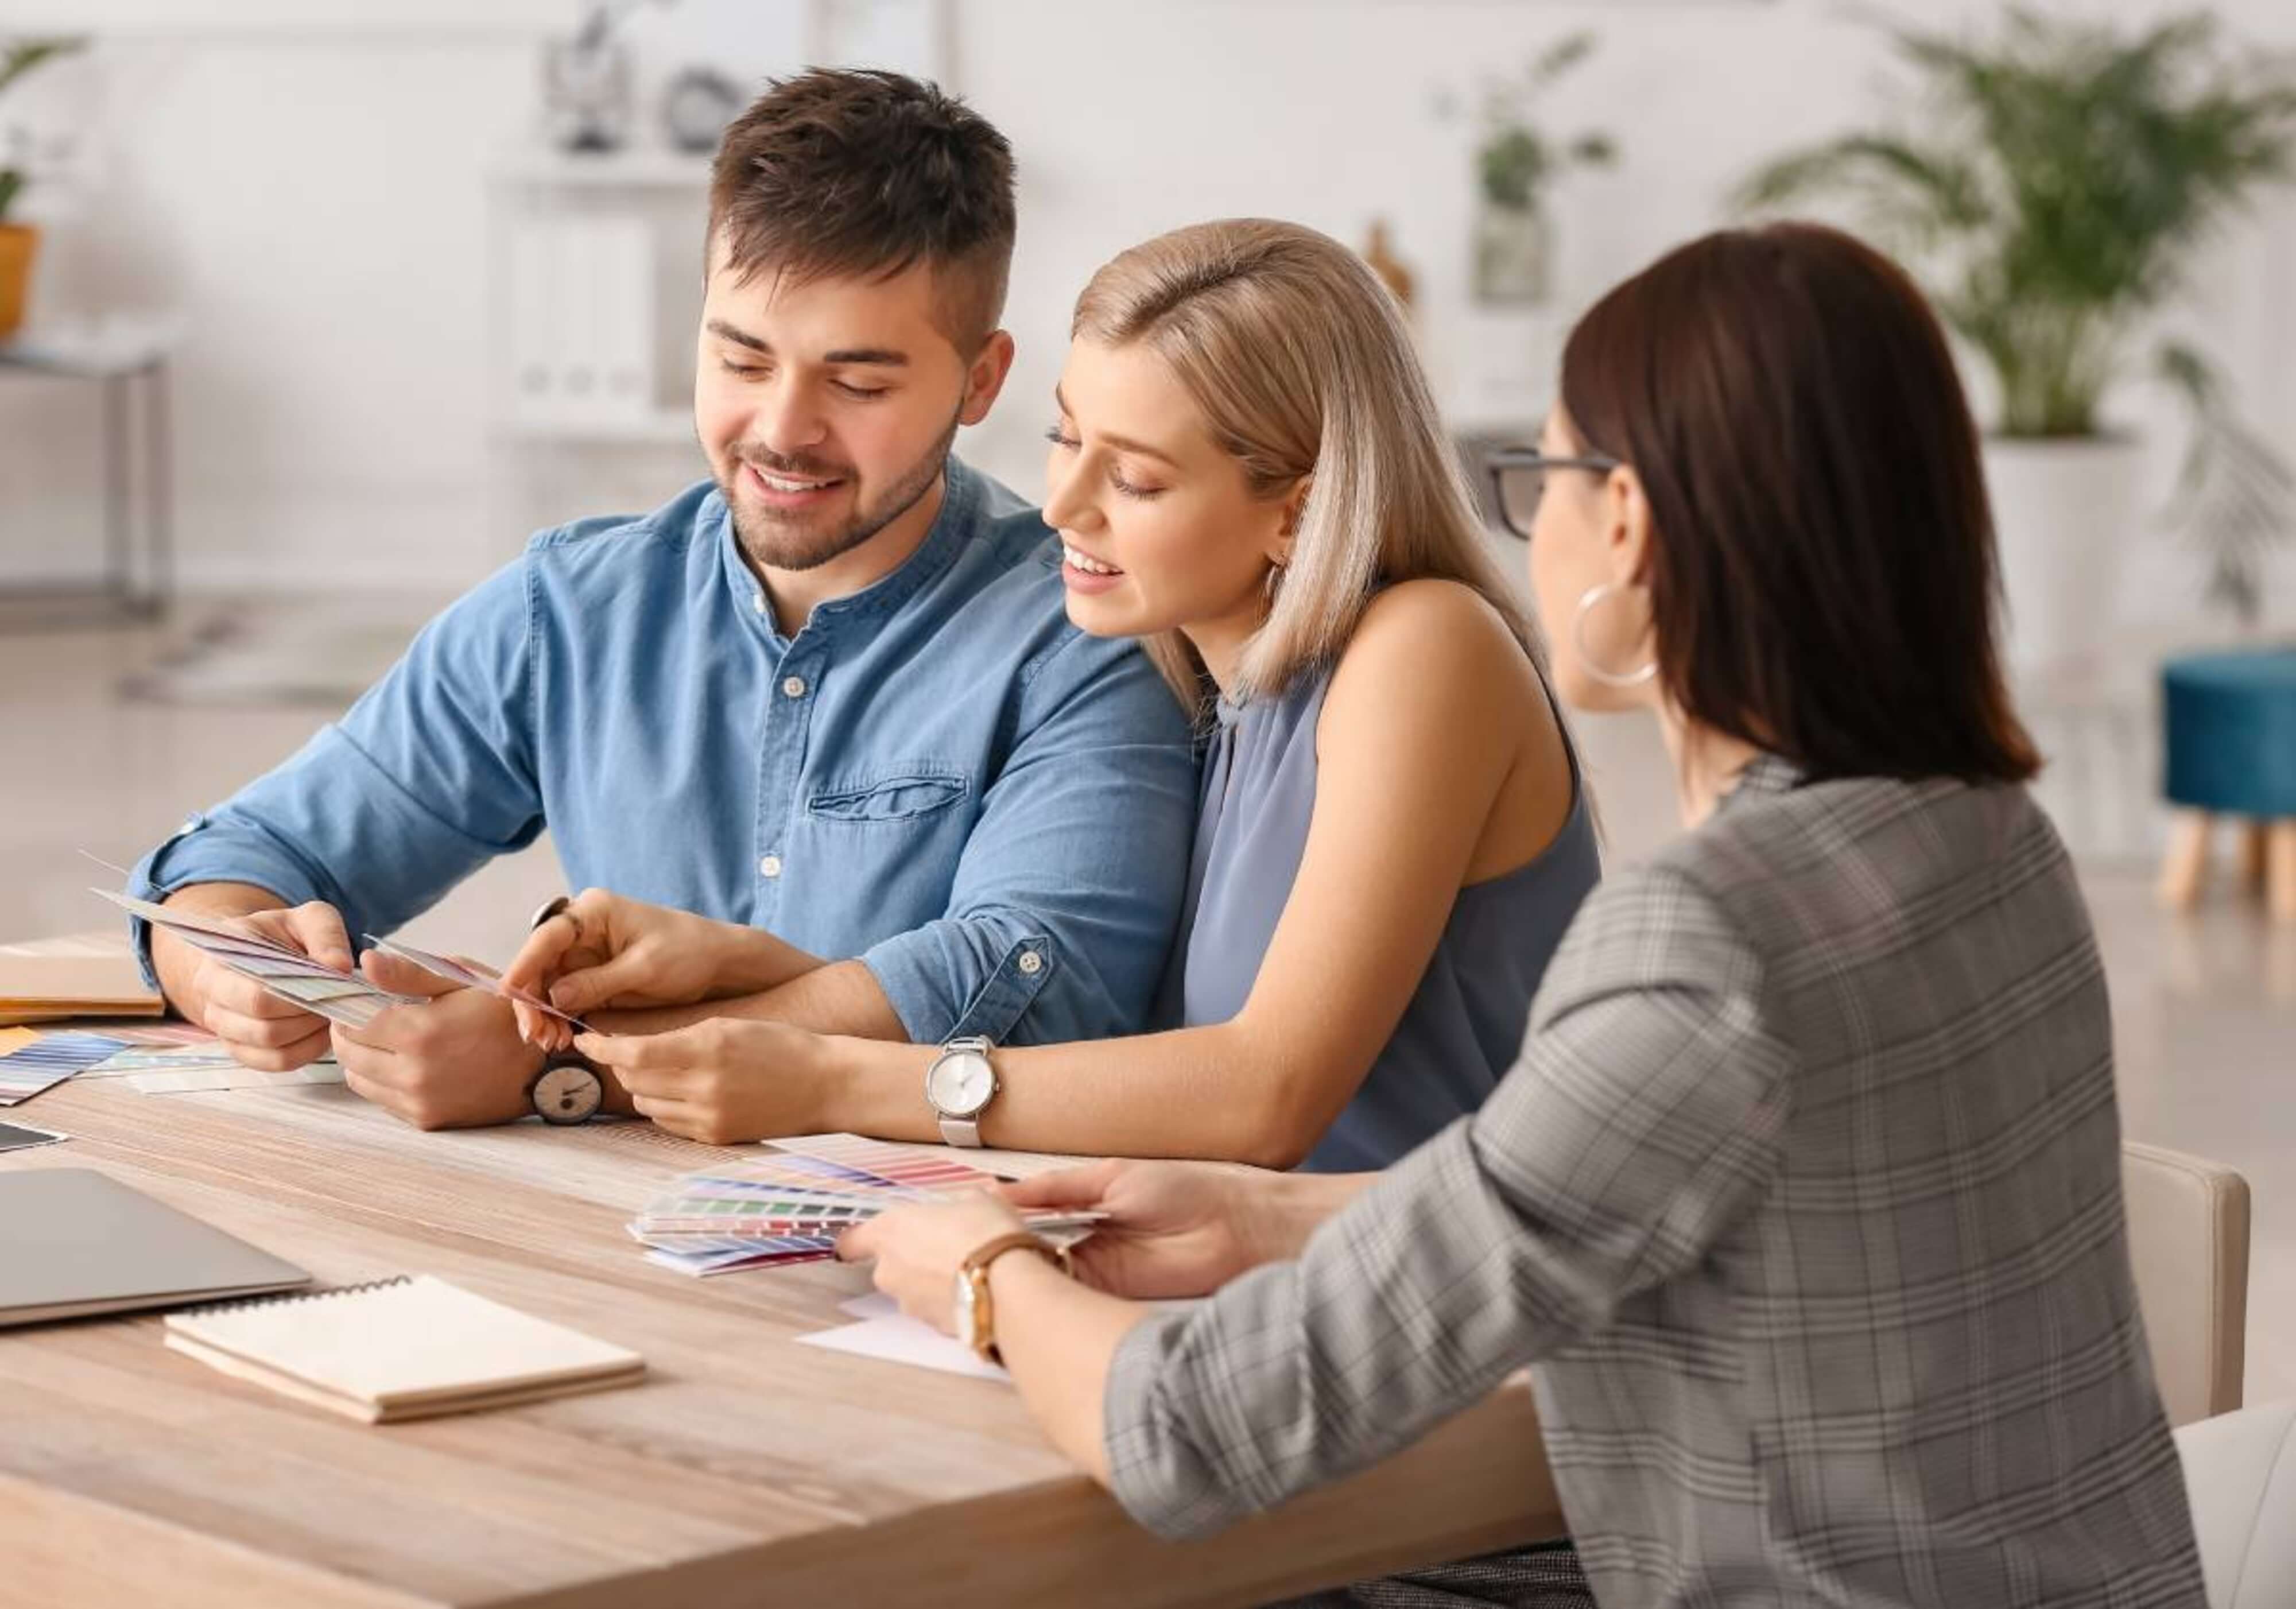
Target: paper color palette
<point>763,1210</point>
<point>338,995</point>
<point>48,1060</point>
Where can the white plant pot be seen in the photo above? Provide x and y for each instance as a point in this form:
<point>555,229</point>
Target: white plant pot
<point>2064,516</point>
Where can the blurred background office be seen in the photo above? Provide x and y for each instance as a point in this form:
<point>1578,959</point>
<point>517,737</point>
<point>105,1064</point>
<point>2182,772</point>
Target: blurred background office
<point>327,305</point>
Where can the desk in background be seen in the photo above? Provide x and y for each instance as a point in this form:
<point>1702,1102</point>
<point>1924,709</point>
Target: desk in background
<point>120,357</point>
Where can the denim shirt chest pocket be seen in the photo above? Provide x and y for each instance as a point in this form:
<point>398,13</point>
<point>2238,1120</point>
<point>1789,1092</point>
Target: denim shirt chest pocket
<point>904,792</point>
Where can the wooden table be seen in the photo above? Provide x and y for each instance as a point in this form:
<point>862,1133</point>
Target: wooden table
<point>746,1471</point>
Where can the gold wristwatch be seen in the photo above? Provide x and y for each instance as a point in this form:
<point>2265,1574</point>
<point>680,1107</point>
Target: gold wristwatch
<point>976,1316</point>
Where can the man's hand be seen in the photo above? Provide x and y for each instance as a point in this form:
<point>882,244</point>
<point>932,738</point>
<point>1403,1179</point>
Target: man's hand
<point>456,1062</point>
<point>256,1027</point>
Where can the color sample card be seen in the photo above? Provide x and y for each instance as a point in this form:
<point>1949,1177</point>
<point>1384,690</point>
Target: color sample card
<point>48,1061</point>
<point>331,992</point>
<point>473,975</point>
<point>161,1033</point>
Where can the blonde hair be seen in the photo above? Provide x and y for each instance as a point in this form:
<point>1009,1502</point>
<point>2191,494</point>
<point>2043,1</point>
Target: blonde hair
<point>1301,361</point>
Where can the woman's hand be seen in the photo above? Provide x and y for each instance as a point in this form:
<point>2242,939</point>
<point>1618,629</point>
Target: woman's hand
<point>1180,1228</point>
<point>603,950</point>
<point>918,1249</point>
<point>722,1081</point>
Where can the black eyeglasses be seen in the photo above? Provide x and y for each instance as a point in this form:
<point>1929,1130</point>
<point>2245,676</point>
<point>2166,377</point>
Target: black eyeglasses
<point>1519,479</point>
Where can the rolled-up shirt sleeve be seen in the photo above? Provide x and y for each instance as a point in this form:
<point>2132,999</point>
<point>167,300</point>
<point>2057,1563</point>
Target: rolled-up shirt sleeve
<point>430,774</point>
<point>1642,1120</point>
<point>1070,889</point>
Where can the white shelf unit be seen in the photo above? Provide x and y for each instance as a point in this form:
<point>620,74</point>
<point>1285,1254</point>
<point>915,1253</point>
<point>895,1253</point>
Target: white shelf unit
<point>595,269</point>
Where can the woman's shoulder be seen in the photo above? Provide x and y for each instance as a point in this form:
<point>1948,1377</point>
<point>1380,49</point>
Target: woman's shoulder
<point>1796,875</point>
<point>1428,610</point>
<point>1429,645</point>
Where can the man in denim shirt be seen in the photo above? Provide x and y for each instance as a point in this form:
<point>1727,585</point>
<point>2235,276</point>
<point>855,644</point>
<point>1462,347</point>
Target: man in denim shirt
<point>833,694</point>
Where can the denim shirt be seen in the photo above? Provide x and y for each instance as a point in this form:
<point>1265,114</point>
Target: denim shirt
<point>938,775</point>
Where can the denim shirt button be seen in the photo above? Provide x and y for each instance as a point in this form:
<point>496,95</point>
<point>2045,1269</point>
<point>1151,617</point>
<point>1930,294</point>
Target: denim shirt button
<point>793,686</point>
<point>770,867</point>
<point>1031,963</point>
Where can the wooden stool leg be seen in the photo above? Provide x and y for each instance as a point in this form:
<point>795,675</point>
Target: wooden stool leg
<point>2253,834</point>
<point>2187,864</point>
<point>2282,854</point>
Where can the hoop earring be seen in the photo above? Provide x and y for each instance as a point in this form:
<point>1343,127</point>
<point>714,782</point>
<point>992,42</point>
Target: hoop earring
<point>1609,679</point>
<point>1273,582</point>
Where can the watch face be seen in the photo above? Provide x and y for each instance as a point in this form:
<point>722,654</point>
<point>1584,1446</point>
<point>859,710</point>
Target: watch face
<point>962,1083</point>
<point>568,1093</point>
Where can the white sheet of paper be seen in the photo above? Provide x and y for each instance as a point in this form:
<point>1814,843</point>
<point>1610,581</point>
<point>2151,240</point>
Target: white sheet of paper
<point>199,1081</point>
<point>884,1332</point>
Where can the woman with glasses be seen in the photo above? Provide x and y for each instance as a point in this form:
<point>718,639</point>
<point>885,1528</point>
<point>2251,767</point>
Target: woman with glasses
<point>1802,1201</point>
<point>1247,473</point>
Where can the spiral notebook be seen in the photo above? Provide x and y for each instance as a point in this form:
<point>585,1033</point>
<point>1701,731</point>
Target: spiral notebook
<point>399,1349</point>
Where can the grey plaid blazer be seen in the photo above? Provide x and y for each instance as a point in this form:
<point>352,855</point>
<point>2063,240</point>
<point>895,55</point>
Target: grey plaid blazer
<point>1803,1200</point>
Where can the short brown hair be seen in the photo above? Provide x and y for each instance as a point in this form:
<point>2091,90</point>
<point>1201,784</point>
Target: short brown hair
<point>841,172</point>
<point>1822,577</point>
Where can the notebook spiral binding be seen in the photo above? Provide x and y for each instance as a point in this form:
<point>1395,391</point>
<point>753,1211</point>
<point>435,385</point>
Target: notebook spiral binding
<point>288,1298</point>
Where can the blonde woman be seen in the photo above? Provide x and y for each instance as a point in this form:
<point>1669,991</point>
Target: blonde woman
<point>1247,473</point>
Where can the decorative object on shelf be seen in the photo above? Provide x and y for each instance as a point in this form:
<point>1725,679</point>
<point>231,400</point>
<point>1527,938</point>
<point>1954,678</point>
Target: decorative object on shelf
<point>586,81</point>
<point>2230,721</point>
<point>2063,175</point>
<point>1379,256</point>
<point>1514,164</point>
<point>695,107</point>
<point>19,244</point>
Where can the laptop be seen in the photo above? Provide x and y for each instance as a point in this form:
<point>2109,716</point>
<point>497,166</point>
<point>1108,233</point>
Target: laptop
<point>75,1242</point>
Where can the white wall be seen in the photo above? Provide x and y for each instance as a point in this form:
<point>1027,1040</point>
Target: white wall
<point>315,202</point>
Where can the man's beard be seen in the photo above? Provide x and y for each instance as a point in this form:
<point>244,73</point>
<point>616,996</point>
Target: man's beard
<point>780,545</point>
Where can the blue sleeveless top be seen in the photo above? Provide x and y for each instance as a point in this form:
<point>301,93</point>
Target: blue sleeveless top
<point>1462,1029</point>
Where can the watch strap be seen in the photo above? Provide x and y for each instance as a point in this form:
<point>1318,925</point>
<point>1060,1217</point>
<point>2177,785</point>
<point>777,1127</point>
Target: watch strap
<point>962,1131</point>
<point>975,1269</point>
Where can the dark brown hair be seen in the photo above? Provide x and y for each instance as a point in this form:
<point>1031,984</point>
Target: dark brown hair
<point>1822,572</point>
<point>840,172</point>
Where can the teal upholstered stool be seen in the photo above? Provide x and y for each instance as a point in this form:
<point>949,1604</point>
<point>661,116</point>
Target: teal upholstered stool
<point>2231,740</point>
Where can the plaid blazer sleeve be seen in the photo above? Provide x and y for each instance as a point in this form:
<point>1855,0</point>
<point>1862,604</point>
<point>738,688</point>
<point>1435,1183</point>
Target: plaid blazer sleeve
<point>1642,1119</point>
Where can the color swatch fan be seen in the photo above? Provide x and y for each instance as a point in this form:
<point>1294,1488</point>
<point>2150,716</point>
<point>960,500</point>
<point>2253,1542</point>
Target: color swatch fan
<point>335,993</point>
<point>780,1208</point>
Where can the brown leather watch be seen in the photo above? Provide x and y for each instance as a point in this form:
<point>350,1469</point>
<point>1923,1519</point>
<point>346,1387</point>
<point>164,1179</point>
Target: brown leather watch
<point>976,1316</point>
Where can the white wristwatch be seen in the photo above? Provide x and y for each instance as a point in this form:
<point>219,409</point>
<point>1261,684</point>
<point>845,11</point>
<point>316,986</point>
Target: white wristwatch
<point>959,1085</point>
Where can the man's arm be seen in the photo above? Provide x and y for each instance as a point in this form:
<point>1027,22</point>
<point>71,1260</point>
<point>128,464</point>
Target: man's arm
<point>430,774</point>
<point>1064,902</point>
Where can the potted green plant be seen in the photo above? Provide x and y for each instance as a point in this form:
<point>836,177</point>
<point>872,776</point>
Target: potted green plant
<point>1515,163</point>
<point>20,242</point>
<point>2063,175</point>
